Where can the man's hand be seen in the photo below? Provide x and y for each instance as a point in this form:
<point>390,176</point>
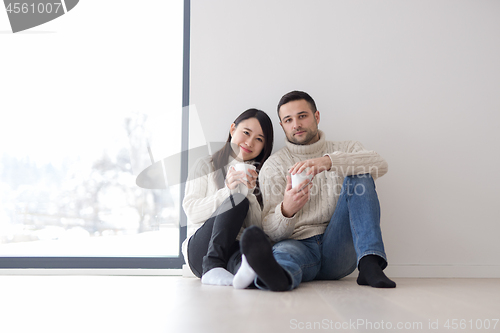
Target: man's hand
<point>315,165</point>
<point>295,198</point>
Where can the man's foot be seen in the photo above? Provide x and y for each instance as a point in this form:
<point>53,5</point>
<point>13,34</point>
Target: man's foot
<point>245,275</point>
<point>259,254</point>
<point>217,276</point>
<point>370,273</point>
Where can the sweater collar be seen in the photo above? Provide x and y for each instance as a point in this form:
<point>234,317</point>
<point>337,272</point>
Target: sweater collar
<point>311,149</point>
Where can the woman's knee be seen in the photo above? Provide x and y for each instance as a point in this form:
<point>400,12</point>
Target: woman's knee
<point>241,201</point>
<point>236,203</point>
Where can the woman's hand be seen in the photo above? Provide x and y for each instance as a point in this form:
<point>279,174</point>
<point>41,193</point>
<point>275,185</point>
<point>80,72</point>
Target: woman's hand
<point>251,179</point>
<point>234,178</point>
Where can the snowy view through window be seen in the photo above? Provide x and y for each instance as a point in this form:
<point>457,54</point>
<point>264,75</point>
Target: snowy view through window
<point>80,104</point>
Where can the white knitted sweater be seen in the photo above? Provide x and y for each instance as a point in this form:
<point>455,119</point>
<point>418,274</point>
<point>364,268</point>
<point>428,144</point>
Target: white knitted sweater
<point>203,197</point>
<point>347,157</point>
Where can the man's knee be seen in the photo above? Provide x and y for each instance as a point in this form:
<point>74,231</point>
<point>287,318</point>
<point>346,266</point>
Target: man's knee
<point>358,184</point>
<point>365,177</point>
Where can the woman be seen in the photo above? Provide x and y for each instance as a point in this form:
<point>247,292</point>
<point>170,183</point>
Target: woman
<point>220,202</point>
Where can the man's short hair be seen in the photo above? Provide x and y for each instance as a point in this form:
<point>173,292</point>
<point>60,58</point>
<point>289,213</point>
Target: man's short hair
<point>296,96</point>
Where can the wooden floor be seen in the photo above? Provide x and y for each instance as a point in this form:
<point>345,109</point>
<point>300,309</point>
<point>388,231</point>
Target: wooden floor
<point>177,304</point>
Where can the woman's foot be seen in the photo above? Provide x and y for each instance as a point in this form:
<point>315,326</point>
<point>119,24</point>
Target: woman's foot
<point>218,277</point>
<point>245,275</point>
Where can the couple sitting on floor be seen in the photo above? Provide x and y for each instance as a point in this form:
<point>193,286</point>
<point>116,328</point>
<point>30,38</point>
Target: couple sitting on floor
<point>254,229</point>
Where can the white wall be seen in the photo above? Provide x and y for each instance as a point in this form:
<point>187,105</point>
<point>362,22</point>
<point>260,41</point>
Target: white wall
<point>417,81</point>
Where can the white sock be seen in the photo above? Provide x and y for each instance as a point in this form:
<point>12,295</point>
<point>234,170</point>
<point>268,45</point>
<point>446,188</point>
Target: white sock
<point>245,275</point>
<point>218,276</point>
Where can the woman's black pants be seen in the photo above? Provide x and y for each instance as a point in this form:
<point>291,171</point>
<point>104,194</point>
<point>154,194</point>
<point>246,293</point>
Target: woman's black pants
<point>214,244</point>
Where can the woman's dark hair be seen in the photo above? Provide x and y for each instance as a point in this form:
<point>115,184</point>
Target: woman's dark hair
<point>296,96</point>
<point>221,158</point>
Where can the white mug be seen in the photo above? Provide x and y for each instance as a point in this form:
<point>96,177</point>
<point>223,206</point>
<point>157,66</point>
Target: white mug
<point>243,167</point>
<point>299,178</point>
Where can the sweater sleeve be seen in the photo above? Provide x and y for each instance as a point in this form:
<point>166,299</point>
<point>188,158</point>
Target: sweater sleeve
<point>273,185</point>
<point>199,206</point>
<point>353,159</point>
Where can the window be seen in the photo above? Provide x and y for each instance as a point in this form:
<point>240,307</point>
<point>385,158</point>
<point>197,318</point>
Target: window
<point>87,105</point>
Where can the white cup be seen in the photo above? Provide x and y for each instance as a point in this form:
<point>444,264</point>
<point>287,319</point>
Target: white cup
<point>244,167</point>
<point>299,178</point>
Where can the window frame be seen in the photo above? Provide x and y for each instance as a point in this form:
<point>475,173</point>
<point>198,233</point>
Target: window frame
<point>131,262</point>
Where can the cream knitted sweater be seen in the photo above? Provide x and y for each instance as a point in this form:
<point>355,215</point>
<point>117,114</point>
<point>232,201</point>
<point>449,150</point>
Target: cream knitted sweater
<point>347,157</point>
<point>203,197</point>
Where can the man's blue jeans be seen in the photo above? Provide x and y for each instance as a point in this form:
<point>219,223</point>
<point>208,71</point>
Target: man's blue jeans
<point>353,232</point>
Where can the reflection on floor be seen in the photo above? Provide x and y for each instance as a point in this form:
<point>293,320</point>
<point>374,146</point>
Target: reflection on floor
<point>176,304</point>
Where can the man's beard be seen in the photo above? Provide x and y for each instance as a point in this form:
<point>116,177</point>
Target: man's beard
<point>309,136</point>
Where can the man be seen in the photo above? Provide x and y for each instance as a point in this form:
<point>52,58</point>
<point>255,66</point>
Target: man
<point>323,228</point>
